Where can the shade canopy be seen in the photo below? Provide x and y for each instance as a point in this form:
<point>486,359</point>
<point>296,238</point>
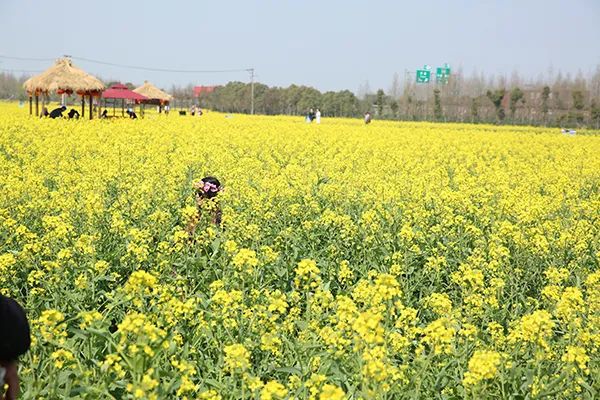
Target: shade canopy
<point>120,91</point>
<point>64,77</point>
<point>153,93</point>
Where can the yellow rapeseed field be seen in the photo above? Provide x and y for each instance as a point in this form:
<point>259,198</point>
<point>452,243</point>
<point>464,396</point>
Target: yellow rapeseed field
<point>388,261</point>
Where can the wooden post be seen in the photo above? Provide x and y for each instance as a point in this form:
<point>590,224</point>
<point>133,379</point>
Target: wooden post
<point>83,106</point>
<point>91,108</point>
<point>30,105</point>
<point>122,107</point>
<point>37,105</point>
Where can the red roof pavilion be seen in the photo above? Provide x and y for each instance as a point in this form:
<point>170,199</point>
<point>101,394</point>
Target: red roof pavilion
<point>120,91</point>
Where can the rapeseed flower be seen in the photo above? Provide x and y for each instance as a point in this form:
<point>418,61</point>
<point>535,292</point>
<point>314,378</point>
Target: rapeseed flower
<point>483,365</point>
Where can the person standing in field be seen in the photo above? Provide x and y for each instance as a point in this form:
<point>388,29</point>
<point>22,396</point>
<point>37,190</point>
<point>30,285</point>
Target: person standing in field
<point>318,116</point>
<point>15,340</point>
<point>206,191</point>
<point>367,117</point>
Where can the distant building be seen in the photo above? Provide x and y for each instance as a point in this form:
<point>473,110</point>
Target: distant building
<point>198,90</point>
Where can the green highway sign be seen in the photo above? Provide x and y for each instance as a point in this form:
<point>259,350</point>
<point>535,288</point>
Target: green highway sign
<point>442,73</point>
<point>423,76</point>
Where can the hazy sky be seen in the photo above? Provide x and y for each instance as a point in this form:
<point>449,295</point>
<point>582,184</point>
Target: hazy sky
<point>330,45</point>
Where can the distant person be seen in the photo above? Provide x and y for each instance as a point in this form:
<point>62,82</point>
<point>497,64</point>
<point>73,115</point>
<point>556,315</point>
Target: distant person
<point>193,110</point>
<point>167,109</point>
<point>367,117</point>
<point>104,114</point>
<point>57,112</point>
<point>310,116</point>
<point>318,116</point>
<point>15,340</point>
<point>44,112</point>
<point>131,114</point>
<point>73,113</point>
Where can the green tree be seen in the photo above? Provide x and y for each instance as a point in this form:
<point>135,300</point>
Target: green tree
<point>545,97</point>
<point>577,116</point>
<point>309,98</point>
<point>496,98</point>
<point>578,100</point>
<point>516,96</point>
<point>394,107</point>
<point>340,104</point>
<point>474,110</point>
<point>595,113</point>
<point>380,101</point>
<point>437,105</point>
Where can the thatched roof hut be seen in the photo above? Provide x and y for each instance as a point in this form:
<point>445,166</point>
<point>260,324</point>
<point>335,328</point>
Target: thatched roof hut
<point>64,77</point>
<point>153,93</point>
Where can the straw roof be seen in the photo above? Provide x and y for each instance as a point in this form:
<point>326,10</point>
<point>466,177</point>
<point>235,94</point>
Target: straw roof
<point>63,76</point>
<point>152,92</point>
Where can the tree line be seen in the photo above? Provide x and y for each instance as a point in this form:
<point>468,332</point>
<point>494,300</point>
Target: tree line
<point>556,100</point>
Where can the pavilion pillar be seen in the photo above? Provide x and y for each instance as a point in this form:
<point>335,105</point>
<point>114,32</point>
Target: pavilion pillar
<point>91,108</point>
<point>83,106</point>
<point>43,101</point>
<point>30,105</point>
<point>122,107</point>
<point>37,105</point>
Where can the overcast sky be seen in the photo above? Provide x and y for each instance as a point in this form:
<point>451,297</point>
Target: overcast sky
<point>331,45</point>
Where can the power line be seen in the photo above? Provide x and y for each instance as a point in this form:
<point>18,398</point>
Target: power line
<point>189,71</point>
<point>90,60</point>
<point>27,58</point>
<point>33,71</point>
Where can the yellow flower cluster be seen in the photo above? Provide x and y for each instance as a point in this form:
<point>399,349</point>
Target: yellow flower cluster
<point>307,275</point>
<point>245,260</point>
<point>237,357</point>
<point>482,365</point>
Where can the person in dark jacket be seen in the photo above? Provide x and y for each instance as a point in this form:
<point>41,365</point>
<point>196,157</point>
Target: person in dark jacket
<point>206,191</point>
<point>57,112</point>
<point>15,340</point>
<point>73,113</point>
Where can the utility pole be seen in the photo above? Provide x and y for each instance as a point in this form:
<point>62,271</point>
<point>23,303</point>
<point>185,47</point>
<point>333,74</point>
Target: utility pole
<point>251,70</point>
